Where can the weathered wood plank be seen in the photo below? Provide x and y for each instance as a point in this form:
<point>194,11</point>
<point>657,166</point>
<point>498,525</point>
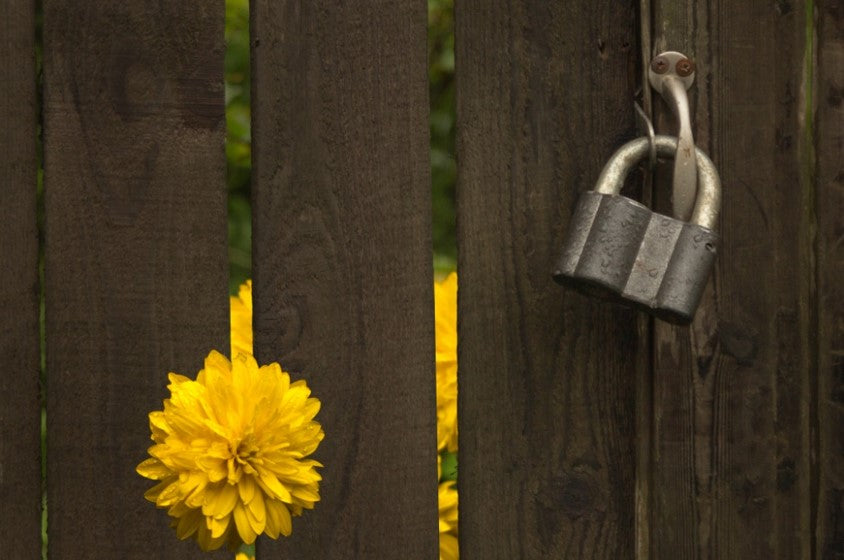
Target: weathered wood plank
<point>673,508</point>
<point>644,373</point>
<point>20,417</point>
<point>673,513</point>
<point>136,262</point>
<point>546,399</point>
<point>829,136</point>
<point>732,463</point>
<point>342,262</point>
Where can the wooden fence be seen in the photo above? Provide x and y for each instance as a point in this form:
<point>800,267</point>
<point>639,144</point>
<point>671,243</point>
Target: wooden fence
<point>586,431</point>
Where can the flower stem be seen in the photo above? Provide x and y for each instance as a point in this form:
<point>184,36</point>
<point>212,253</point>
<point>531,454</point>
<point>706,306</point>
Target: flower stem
<point>248,550</point>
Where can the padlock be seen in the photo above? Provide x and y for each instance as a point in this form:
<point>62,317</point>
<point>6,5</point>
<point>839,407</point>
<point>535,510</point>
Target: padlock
<point>619,249</point>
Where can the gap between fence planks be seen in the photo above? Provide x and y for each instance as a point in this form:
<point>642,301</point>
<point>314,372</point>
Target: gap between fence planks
<point>546,379</point>
<point>136,260</point>
<point>20,411</point>
<point>342,263</point>
<point>747,419</point>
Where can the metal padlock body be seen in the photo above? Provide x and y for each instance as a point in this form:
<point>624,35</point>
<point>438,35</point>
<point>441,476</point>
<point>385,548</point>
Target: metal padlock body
<point>619,249</point>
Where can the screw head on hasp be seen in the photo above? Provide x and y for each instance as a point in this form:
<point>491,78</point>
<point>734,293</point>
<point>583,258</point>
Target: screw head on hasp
<point>684,67</point>
<point>671,64</point>
<point>660,65</point>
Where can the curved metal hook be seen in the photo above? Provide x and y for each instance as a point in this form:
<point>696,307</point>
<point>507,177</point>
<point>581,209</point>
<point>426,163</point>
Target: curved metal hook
<point>671,74</point>
<point>707,204</point>
<point>649,129</point>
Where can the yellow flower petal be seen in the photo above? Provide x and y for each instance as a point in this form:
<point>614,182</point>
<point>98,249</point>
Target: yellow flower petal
<point>241,320</point>
<point>256,513</point>
<point>154,469</point>
<point>231,453</point>
<point>247,489</point>
<point>445,320</point>
<point>217,526</point>
<point>449,549</point>
<point>244,529</point>
<point>272,486</point>
<point>448,517</point>
<point>188,524</point>
<point>219,501</point>
<point>153,493</point>
<point>278,519</point>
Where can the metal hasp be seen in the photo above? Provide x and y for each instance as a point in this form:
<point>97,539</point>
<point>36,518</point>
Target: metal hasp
<point>671,74</point>
<point>618,249</point>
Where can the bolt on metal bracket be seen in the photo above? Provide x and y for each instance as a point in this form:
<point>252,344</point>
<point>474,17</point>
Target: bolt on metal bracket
<point>671,74</point>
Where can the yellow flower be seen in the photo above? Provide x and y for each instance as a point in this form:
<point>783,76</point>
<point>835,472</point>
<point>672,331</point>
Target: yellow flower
<point>447,496</point>
<point>243,556</point>
<point>445,319</point>
<point>241,320</point>
<point>231,452</point>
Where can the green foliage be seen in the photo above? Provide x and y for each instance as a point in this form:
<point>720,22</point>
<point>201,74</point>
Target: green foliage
<point>449,466</point>
<point>238,141</point>
<point>443,165</point>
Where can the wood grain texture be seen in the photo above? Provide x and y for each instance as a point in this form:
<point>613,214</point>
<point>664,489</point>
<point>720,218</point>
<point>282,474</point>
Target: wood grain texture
<point>829,138</point>
<point>342,262</point>
<point>546,398</point>
<point>732,460</point>
<point>644,373</point>
<point>136,265</point>
<point>20,415</point>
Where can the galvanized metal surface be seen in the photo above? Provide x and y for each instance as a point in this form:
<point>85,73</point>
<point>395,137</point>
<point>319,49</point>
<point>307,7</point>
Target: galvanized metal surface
<point>671,74</point>
<point>707,204</point>
<point>618,249</point>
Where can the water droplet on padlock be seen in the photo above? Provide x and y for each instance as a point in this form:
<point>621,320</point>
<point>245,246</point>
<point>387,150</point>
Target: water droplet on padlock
<point>627,252</point>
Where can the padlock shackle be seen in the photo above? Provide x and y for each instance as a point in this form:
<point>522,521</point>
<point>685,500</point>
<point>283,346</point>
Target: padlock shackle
<point>708,200</point>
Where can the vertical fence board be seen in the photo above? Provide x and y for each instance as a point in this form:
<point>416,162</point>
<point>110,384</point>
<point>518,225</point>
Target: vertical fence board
<point>136,266</point>
<point>732,463</point>
<point>829,125</point>
<point>342,262</point>
<point>20,444</point>
<point>673,511</point>
<point>546,398</point>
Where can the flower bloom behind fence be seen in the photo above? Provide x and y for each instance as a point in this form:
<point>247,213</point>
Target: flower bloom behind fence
<point>231,452</point>
<point>241,319</point>
<point>231,447</point>
<point>445,319</point>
